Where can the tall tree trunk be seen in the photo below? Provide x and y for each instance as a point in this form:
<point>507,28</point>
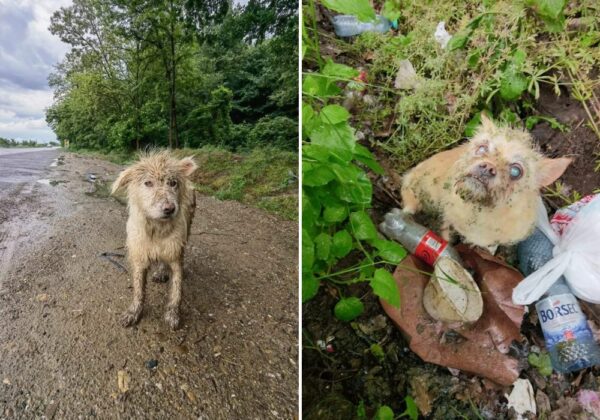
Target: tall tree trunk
<point>173,80</point>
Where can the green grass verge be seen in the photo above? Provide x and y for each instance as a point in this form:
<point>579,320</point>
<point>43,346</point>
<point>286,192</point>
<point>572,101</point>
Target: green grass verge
<point>264,178</point>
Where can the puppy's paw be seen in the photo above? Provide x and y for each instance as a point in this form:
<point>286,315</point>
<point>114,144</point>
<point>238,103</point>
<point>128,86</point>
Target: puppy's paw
<point>172,318</point>
<point>130,317</point>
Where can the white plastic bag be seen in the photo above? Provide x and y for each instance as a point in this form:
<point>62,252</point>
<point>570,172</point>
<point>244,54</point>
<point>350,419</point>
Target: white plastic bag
<point>576,256</point>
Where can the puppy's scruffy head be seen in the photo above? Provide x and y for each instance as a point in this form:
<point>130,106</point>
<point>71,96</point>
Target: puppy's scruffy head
<point>156,184</point>
<point>501,164</point>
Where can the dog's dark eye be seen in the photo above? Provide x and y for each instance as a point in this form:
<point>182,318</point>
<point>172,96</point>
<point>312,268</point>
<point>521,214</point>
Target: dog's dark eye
<point>148,183</point>
<point>172,183</point>
<point>481,150</point>
<point>516,171</point>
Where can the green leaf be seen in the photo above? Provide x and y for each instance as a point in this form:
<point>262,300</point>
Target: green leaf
<point>391,10</point>
<point>551,12</point>
<point>364,155</point>
<point>314,175</point>
<point>335,214</point>
<point>322,246</point>
<point>342,244</point>
<point>339,71</point>
<point>310,286</point>
<point>512,85</point>
<point>348,309</point>
<point>518,58</point>
<point>362,226</point>
<point>473,59</point>
<point>308,251</point>
<point>311,209</point>
<point>334,114</point>
<point>308,120</point>
<point>377,351</point>
<point>458,40</point>
<point>346,174</point>
<point>358,193</point>
<point>339,139</point>
<point>360,8</point>
<point>411,409</point>
<point>384,285</point>
<point>389,251</point>
<point>319,86</point>
<point>315,152</point>
<point>384,413</point>
<point>542,362</point>
<point>361,412</point>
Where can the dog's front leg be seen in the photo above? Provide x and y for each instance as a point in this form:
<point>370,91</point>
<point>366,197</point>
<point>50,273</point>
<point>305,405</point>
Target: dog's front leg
<point>172,314</point>
<point>132,315</point>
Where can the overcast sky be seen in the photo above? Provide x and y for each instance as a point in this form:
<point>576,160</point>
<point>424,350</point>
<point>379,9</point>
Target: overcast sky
<point>27,53</point>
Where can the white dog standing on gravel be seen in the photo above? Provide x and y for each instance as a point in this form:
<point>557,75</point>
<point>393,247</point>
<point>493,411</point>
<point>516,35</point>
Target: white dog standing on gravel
<point>161,204</point>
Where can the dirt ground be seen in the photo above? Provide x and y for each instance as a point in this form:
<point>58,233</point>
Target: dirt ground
<point>62,349</point>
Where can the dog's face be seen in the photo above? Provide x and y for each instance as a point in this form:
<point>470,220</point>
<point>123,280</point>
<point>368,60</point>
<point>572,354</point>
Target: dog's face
<point>155,183</point>
<point>500,163</point>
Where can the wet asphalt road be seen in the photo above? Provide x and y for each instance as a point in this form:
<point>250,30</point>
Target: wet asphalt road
<point>24,165</point>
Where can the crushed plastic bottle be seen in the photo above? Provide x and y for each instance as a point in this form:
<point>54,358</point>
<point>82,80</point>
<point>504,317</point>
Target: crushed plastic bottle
<point>568,337</point>
<point>417,239</point>
<point>348,25</point>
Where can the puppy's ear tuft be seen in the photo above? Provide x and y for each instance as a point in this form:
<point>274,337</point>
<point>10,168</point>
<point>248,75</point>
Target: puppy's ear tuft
<point>122,181</point>
<point>487,124</point>
<point>549,170</point>
<point>187,166</point>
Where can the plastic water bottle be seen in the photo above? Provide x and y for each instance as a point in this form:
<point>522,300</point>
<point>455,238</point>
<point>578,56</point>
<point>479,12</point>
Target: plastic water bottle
<point>348,25</point>
<point>417,239</point>
<point>568,337</point>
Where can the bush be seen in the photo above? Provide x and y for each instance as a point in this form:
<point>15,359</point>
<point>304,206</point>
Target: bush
<point>280,132</point>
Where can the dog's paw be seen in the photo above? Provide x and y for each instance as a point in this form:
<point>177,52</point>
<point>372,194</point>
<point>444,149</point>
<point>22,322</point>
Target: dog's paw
<point>172,318</point>
<point>160,277</point>
<point>129,317</point>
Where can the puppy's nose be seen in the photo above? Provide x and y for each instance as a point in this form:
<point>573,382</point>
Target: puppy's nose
<point>486,169</point>
<point>168,209</point>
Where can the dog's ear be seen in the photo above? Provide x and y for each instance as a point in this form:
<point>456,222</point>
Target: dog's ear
<point>487,124</point>
<point>124,178</point>
<point>187,166</point>
<point>549,170</point>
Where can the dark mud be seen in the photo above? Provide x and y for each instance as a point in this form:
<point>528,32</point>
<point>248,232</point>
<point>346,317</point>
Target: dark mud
<point>62,349</point>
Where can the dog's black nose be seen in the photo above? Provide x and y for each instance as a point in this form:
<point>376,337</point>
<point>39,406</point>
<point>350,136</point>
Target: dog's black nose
<point>168,209</point>
<point>486,169</point>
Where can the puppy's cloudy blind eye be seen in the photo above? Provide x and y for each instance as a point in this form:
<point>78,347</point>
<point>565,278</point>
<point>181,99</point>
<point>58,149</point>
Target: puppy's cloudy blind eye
<point>516,171</point>
<point>481,150</point>
<point>172,183</point>
<point>148,183</point>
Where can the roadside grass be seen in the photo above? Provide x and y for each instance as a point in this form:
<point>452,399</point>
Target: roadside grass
<point>264,178</point>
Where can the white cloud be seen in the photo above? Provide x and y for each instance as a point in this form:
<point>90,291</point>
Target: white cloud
<point>28,52</point>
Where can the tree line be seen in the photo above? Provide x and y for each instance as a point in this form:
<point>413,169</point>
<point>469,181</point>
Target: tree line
<point>177,73</point>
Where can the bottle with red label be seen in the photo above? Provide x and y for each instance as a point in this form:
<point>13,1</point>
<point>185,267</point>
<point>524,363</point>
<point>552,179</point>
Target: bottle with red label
<point>417,239</point>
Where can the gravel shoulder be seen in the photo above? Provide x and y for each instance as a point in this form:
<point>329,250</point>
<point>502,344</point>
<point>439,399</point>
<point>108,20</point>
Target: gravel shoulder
<point>61,348</point>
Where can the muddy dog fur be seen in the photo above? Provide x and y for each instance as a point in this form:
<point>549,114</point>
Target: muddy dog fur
<point>161,204</point>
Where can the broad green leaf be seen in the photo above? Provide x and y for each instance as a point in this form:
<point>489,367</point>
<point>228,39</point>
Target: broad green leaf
<point>315,175</point>
<point>473,59</point>
<point>362,226</point>
<point>348,309</point>
<point>339,71</point>
<point>308,251</point>
<point>334,114</point>
<point>542,362</point>
<point>458,40</point>
<point>364,155</point>
<point>319,86</point>
<point>412,410</point>
<point>361,412</point>
<point>384,413</point>
<point>358,193</point>
<point>512,85</point>
<point>339,139</point>
<point>518,58</point>
<point>335,214</point>
<point>346,174</point>
<point>311,209</point>
<point>551,12</point>
<point>391,10</point>
<point>308,120</point>
<point>341,244</point>
<point>315,152</point>
<point>389,251</point>
<point>360,8</point>
<point>322,246</point>
<point>384,285</point>
<point>310,286</point>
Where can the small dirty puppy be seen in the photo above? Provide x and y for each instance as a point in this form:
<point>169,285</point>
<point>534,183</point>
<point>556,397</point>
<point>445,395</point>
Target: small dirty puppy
<point>486,190</point>
<point>161,205</point>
